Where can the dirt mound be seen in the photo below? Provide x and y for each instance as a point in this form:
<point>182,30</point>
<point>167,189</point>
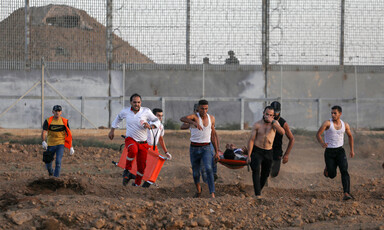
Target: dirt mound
<point>56,185</point>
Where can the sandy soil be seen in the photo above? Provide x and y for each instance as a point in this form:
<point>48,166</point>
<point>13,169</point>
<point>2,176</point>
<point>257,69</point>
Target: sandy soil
<point>89,193</point>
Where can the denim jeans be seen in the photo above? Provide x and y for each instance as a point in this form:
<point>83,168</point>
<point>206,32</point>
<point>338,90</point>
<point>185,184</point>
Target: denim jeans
<point>214,166</point>
<point>59,151</point>
<point>202,154</point>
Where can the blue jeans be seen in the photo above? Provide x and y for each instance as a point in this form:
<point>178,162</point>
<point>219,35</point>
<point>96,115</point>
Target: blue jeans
<point>214,166</point>
<point>204,154</point>
<point>59,151</point>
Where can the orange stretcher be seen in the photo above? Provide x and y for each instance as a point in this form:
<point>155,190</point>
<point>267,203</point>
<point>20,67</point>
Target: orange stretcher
<point>232,164</point>
<point>155,162</point>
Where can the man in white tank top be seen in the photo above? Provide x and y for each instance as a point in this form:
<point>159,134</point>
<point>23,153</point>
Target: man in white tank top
<point>334,155</point>
<point>202,134</point>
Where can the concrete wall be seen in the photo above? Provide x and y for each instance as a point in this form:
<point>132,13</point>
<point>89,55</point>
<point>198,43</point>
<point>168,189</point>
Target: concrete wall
<point>334,87</point>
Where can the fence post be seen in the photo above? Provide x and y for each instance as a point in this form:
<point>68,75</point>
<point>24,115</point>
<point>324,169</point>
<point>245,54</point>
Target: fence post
<point>187,33</point>
<point>26,28</point>
<point>242,114</point>
<point>318,112</point>
<point>357,100</point>
<point>265,42</point>
<point>42,91</point>
<point>163,107</point>
<point>82,111</point>
<point>109,50</point>
<point>342,13</point>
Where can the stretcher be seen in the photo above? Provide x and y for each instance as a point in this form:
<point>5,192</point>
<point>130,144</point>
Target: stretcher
<point>232,164</point>
<point>155,162</point>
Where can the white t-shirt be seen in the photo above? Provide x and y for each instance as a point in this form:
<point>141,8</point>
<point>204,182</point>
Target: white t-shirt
<point>134,122</point>
<point>333,137</point>
<point>158,132</point>
<point>202,136</point>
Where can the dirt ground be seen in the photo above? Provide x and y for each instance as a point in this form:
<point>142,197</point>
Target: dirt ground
<point>89,193</point>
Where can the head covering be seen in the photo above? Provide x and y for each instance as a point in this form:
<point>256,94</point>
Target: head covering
<point>57,108</point>
<point>276,106</point>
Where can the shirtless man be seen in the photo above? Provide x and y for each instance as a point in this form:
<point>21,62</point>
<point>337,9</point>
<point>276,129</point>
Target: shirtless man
<point>260,154</point>
<point>334,154</point>
<point>202,134</point>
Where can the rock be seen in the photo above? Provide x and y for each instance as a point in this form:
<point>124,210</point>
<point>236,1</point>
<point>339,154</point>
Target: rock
<point>176,224</point>
<point>99,223</point>
<point>298,222</point>
<point>21,217</point>
<point>51,224</point>
<point>313,201</point>
<point>193,223</point>
<point>203,221</point>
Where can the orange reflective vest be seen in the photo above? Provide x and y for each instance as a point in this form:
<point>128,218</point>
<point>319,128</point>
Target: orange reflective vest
<point>68,136</point>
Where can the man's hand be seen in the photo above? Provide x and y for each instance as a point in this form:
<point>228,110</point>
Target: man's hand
<point>111,134</point>
<point>146,125</point>
<point>217,157</point>
<point>285,158</point>
<point>198,126</point>
<point>248,159</point>
<point>324,145</point>
<point>45,145</point>
<point>352,154</point>
<point>168,155</point>
<point>71,151</point>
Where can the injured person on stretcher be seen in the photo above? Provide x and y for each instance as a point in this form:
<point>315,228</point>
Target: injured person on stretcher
<point>233,153</point>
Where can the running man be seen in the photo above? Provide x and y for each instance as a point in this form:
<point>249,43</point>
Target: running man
<point>260,153</point>
<point>202,134</point>
<point>334,154</point>
<point>158,133</point>
<point>58,135</point>
<point>214,163</point>
<point>138,120</point>
<point>278,141</point>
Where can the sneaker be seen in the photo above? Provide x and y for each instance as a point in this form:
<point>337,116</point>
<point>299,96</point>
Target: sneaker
<point>215,177</point>
<point>198,194</point>
<point>50,174</point>
<point>347,196</point>
<point>146,184</point>
<point>134,184</point>
<point>325,172</point>
<point>127,176</point>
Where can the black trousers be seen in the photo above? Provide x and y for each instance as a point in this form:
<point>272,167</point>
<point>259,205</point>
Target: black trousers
<point>276,163</point>
<point>336,157</point>
<point>261,161</point>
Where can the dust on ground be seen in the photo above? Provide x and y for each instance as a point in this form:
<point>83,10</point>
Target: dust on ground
<point>90,194</point>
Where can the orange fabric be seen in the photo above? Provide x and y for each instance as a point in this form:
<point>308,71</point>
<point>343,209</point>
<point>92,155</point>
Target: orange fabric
<point>232,164</point>
<point>154,164</point>
<point>68,137</point>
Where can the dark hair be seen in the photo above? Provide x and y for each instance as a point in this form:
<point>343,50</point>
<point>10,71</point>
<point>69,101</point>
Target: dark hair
<point>134,95</point>
<point>276,106</point>
<point>156,110</point>
<point>268,107</point>
<point>229,154</point>
<point>203,102</point>
<point>338,108</point>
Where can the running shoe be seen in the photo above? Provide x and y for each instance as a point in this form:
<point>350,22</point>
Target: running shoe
<point>347,196</point>
<point>215,177</point>
<point>127,176</point>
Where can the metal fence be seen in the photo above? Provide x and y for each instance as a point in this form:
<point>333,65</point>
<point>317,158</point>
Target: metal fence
<point>100,34</point>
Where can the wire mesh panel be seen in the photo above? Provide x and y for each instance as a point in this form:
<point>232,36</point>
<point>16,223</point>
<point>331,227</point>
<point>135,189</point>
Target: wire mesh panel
<point>304,32</point>
<point>364,32</point>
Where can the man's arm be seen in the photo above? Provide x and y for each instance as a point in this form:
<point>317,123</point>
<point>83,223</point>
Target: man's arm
<point>322,128</point>
<point>191,119</point>
<point>114,125</point>
<point>350,139</point>
<point>162,143</point>
<point>214,138</point>
<point>277,127</point>
<point>185,126</point>
<point>291,141</point>
<point>251,141</point>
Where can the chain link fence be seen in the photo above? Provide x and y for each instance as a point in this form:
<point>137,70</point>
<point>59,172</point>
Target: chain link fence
<point>73,34</point>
